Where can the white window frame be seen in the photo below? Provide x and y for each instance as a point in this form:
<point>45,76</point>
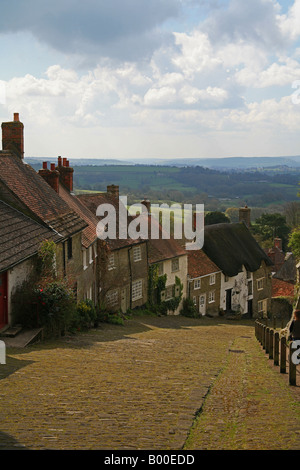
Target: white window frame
<point>112,298</point>
<point>161,268</point>
<point>137,290</point>
<point>197,284</point>
<point>137,254</point>
<point>84,259</point>
<point>212,279</point>
<point>262,306</point>
<point>175,261</point>
<point>169,292</point>
<point>211,297</point>
<point>91,254</point>
<point>260,282</point>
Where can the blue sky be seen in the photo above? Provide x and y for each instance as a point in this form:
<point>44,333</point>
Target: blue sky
<point>160,78</point>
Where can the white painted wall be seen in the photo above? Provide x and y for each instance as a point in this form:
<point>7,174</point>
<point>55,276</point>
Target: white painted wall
<point>239,286</point>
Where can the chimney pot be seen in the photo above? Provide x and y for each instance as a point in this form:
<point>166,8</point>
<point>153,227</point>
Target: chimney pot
<point>59,161</point>
<point>45,165</point>
<point>67,163</point>
<point>16,117</point>
<point>64,161</point>
<point>52,166</point>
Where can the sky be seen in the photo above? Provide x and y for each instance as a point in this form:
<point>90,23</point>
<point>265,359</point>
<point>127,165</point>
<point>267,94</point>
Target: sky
<point>152,79</point>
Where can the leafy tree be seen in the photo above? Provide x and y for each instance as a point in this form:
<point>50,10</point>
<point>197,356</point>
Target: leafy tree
<point>270,226</point>
<point>216,217</point>
<point>294,243</point>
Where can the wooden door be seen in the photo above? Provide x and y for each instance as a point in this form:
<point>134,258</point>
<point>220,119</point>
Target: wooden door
<point>3,299</point>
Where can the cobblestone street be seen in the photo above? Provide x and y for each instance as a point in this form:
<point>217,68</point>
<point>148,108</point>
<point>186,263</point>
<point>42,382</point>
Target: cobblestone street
<point>139,386</point>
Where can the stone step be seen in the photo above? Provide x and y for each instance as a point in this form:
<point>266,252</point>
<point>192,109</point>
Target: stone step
<point>11,331</point>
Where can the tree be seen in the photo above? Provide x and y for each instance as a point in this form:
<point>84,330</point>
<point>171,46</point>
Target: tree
<point>216,217</point>
<point>270,226</point>
<point>294,243</point>
<point>233,214</point>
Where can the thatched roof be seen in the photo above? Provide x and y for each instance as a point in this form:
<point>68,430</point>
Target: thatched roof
<point>231,246</point>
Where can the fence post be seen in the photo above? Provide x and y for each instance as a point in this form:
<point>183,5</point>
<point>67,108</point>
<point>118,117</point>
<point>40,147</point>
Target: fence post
<point>274,322</point>
<point>292,366</point>
<point>276,348</point>
<point>264,337</point>
<point>283,355</point>
<point>271,343</point>
<point>267,339</point>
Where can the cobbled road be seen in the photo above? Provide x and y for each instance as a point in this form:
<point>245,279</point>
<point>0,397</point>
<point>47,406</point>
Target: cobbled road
<point>139,387</point>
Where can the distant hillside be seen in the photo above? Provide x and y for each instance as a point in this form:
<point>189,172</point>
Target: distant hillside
<point>230,163</point>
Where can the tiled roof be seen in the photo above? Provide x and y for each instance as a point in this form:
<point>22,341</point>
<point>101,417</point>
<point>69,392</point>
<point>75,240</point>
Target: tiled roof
<point>287,271</point>
<point>282,288</point>
<point>92,201</point>
<point>34,193</point>
<point>231,246</point>
<point>162,249</point>
<point>89,234</point>
<point>199,264</point>
<point>20,236</point>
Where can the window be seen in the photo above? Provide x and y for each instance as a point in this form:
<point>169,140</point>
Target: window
<point>160,269</point>
<point>175,264</point>
<point>262,306</point>
<point>212,279</point>
<point>197,283</point>
<point>84,259</point>
<point>211,296</point>
<point>169,293</point>
<point>137,253</point>
<point>250,288</point>
<point>70,248</point>
<point>111,261</point>
<point>112,298</point>
<point>260,283</point>
<point>90,254</point>
<point>137,290</point>
<point>226,278</point>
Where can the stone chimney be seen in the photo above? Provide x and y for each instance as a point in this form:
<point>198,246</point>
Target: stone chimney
<point>113,191</point>
<point>13,136</point>
<point>65,173</point>
<point>147,204</point>
<point>51,176</point>
<point>245,215</point>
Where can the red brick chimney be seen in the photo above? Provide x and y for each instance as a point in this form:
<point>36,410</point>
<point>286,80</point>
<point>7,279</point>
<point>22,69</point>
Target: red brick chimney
<point>278,243</point>
<point>65,173</point>
<point>13,136</point>
<point>51,176</point>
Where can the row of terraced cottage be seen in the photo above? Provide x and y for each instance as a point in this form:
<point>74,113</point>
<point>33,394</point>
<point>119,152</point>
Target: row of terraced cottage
<point>231,273</point>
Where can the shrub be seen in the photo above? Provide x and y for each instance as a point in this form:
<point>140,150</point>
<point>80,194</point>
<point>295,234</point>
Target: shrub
<point>86,315</point>
<point>189,309</point>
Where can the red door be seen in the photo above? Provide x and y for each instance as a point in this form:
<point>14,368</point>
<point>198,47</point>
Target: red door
<point>3,299</point>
